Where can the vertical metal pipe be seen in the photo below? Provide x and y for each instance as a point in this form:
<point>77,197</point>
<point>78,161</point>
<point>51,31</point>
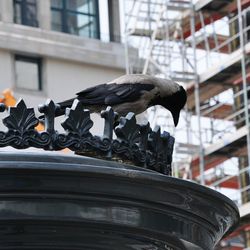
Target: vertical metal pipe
<point>244,80</point>
<point>149,16</point>
<point>126,38</point>
<point>197,97</point>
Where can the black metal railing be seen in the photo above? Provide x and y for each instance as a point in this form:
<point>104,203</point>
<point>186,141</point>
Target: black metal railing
<point>135,144</point>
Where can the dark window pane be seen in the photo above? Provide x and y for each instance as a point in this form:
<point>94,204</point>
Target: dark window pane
<point>25,12</point>
<point>27,71</point>
<point>56,20</point>
<point>57,3</point>
<point>31,14</point>
<point>18,17</point>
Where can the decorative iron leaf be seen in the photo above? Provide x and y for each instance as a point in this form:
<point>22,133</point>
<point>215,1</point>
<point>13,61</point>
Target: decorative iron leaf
<point>78,120</point>
<point>154,148</point>
<point>154,140</point>
<point>128,139</point>
<point>128,131</point>
<point>21,119</point>
<point>163,159</point>
<point>169,146</point>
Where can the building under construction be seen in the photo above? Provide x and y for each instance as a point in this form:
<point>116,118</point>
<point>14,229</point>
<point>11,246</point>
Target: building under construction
<point>204,45</point>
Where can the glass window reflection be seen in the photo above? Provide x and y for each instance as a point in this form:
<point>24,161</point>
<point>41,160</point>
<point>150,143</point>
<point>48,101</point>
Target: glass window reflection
<point>78,17</point>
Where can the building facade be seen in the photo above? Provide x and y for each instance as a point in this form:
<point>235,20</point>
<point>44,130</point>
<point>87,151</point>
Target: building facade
<point>55,48</point>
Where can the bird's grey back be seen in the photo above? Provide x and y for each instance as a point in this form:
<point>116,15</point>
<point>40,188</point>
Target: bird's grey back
<point>166,86</point>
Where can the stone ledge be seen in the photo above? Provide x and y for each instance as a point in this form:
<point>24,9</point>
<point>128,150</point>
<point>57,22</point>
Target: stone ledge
<point>61,46</point>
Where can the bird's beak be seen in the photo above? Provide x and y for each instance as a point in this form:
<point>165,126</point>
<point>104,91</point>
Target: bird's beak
<point>176,116</point>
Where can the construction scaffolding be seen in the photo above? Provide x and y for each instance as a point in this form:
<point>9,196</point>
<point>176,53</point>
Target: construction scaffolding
<point>203,45</point>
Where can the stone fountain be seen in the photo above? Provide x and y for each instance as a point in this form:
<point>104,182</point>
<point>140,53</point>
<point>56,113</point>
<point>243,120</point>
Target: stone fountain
<point>113,194</point>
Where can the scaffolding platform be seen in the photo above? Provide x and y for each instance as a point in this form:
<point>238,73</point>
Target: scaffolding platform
<point>222,6</point>
<point>218,79</point>
<point>220,39</point>
<point>212,10</point>
<point>230,182</point>
<point>213,5</point>
<point>220,111</point>
<point>232,145</point>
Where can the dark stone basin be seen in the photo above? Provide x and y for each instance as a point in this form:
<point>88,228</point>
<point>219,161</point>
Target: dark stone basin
<point>53,201</point>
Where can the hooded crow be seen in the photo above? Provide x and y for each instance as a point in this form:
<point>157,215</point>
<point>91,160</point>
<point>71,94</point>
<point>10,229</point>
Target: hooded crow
<point>132,93</point>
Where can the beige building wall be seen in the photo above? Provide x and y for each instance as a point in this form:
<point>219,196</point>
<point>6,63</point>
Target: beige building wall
<point>70,77</point>
<point>6,73</point>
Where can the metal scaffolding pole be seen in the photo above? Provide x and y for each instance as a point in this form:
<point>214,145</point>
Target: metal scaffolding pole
<point>126,39</point>
<point>197,97</point>
<point>244,79</point>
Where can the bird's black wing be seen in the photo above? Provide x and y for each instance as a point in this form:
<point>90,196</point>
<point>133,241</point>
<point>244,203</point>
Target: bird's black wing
<point>106,94</point>
<point>111,94</point>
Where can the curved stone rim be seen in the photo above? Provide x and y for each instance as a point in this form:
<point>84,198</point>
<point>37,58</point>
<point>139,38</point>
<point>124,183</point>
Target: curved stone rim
<point>138,172</point>
<point>189,202</point>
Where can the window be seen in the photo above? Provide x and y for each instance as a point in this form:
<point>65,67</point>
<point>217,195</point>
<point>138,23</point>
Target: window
<point>78,17</point>
<point>28,72</point>
<point>25,12</point>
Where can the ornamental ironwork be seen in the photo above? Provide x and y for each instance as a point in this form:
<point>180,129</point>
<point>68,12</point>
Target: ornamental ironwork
<point>123,139</point>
